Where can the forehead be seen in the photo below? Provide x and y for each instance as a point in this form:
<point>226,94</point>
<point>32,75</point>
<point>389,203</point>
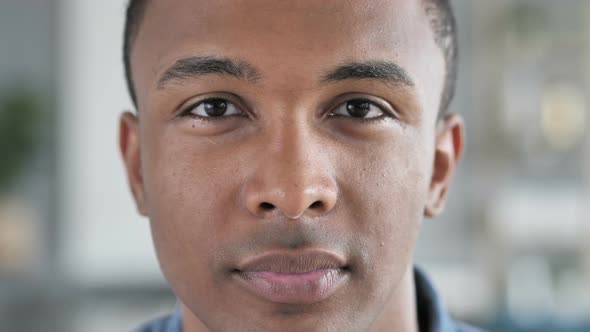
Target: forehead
<point>293,38</point>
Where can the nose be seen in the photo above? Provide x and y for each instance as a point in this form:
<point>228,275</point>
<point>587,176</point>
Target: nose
<point>293,178</point>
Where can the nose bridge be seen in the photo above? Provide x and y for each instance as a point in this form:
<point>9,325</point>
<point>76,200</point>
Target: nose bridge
<point>293,174</point>
<point>291,150</point>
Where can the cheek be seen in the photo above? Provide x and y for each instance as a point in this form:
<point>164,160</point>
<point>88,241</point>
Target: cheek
<point>386,197</point>
<point>389,188</point>
<point>399,209</point>
<point>191,199</point>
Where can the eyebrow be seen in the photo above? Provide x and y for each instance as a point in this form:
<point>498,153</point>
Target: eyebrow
<point>375,69</point>
<point>195,66</point>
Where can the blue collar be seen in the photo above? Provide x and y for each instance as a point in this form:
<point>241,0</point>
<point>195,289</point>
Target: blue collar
<point>432,316</point>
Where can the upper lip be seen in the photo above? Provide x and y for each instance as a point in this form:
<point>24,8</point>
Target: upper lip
<point>286,262</point>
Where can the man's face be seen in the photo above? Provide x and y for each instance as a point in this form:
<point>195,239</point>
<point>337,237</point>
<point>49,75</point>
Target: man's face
<point>285,153</point>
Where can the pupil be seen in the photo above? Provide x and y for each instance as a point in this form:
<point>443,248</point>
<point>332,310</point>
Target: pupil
<point>358,108</point>
<point>216,107</point>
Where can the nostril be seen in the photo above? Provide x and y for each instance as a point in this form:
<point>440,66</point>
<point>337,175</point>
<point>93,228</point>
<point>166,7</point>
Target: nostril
<point>316,205</point>
<point>267,206</point>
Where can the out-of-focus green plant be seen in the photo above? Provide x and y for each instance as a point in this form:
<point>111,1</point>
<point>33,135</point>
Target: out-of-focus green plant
<point>19,118</point>
<point>527,20</point>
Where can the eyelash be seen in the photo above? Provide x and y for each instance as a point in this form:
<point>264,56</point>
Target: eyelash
<point>381,118</point>
<point>187,111</point>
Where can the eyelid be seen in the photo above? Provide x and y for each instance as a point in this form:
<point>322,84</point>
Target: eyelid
<point>388,109</point>
<point>186,107</point>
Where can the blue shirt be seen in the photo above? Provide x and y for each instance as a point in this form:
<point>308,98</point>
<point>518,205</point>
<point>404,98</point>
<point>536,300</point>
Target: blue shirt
<point>432,316</point>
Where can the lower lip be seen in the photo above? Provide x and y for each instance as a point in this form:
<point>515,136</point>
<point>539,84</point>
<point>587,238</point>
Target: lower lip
<point>293,288</point>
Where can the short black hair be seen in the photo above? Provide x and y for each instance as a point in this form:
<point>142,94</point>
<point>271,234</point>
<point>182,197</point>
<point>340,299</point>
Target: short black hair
<point>439,12</point>
<point>444,26</point>
<point>133,19</point>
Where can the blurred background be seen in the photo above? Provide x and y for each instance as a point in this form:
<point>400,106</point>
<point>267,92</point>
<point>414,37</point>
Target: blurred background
<point>511,253</point>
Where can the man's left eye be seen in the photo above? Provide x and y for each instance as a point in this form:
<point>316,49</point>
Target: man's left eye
<point>359,108</point>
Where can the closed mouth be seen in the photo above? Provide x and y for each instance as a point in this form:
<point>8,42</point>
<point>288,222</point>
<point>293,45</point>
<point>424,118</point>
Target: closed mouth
<point>306,277</point>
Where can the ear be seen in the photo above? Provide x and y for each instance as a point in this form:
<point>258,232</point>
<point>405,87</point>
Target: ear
<point>448,150</point>
<point>130,150</point>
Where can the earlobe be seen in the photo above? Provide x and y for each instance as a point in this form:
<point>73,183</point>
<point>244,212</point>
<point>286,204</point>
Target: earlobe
<point>131,153</point>
<point>448,151</point>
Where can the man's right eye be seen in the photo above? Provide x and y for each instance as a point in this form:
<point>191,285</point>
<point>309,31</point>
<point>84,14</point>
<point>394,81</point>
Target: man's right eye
<point>212,108</point>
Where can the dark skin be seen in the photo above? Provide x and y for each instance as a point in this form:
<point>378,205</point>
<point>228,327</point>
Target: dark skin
<point>283,157</point>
